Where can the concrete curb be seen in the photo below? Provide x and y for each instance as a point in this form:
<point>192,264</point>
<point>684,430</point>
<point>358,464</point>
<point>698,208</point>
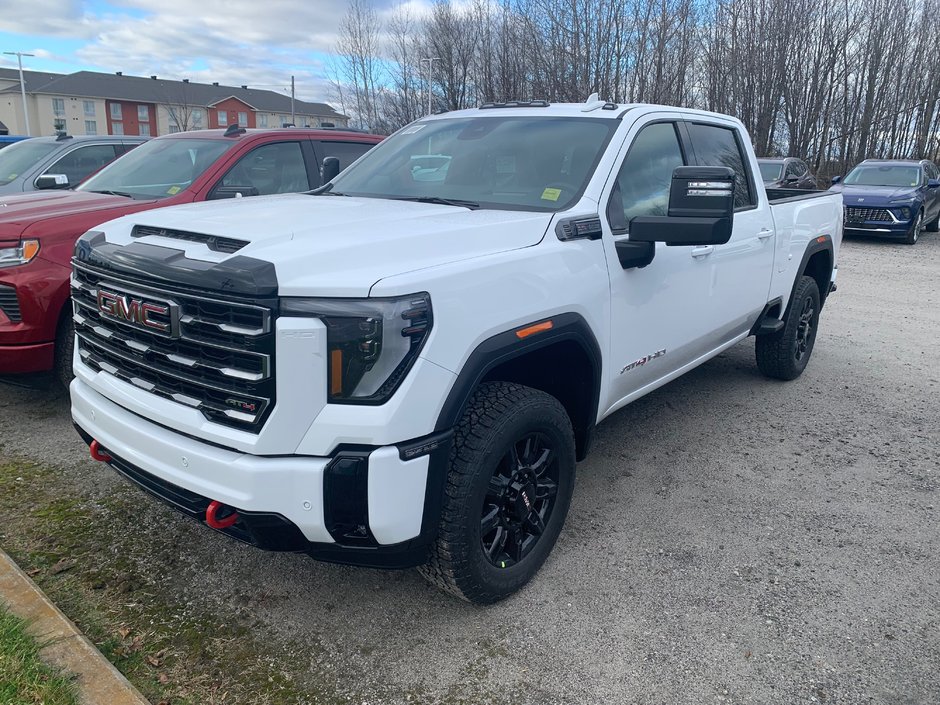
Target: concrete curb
<point>99,682</point>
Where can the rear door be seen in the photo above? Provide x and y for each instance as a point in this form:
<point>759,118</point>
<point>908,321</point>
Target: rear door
<point>84,160</point>
<point>346,152</point>
<point>739,272</point>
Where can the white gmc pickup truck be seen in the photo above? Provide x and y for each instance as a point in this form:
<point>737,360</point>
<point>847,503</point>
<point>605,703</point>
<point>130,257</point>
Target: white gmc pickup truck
<point>403,367</point>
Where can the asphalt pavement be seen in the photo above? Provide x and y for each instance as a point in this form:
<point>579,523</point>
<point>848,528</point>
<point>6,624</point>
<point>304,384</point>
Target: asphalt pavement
<point>732,539</point>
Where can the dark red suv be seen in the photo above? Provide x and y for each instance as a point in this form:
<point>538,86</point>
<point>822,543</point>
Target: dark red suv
<point>38,231</point>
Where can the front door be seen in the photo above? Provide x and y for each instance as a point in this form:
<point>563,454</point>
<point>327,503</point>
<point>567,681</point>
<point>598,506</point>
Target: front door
<point>660,314</point>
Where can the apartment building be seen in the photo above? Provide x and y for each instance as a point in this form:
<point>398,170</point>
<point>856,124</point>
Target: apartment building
<point>93,103</point>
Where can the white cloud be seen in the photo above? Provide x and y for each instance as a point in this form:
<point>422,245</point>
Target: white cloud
<point>231,41</point>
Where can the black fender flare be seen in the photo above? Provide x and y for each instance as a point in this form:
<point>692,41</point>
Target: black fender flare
<point>507,345</point>
<point>823,243</point>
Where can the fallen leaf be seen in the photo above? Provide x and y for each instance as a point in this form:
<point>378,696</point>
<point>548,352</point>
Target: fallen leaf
<point>124,632</point>
<point>63,565</point>
<point>163,678</point>
<point>154,661</point>
<point>33,571</point>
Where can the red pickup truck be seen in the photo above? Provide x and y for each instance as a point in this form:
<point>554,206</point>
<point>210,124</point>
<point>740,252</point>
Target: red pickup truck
<point>38,231</point>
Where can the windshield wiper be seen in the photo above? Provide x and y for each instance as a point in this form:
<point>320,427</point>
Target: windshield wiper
<point>113,193</point>
<point>472,205</point>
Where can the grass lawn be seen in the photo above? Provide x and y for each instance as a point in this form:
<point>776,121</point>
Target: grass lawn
<point>24,678</point>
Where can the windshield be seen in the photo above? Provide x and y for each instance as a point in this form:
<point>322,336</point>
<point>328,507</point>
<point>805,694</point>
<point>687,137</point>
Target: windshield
<point>906,175</point>
<point>19,157</point>
<point>157,169</point>
<point>769,171</point>
<point>516,163</point>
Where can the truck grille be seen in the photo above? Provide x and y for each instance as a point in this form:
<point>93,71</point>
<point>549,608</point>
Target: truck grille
<point>9,304</point>
<point>860,215</point>
<point>212,355</point>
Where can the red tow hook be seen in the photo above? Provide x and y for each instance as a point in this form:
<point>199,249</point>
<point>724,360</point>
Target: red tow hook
<point>223,523</point>
<point>97,454</point>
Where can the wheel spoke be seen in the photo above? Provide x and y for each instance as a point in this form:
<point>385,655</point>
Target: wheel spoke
<point>497,486</point>
<point>489,521</point>
<point>541,465</point>
<point>499,542</point>
<point>535,522</point>
<point>545,488</point>
<point>517,541</point>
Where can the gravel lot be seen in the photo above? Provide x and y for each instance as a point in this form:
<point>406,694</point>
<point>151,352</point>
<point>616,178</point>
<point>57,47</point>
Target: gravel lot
<point>731,539</point>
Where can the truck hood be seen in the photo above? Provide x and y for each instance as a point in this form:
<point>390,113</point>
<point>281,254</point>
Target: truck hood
<point>875,195</point>
<point>341,245</point>
<point>20,211</point>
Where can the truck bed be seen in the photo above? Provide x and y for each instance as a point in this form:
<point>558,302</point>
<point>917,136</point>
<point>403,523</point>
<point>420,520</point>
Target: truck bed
<point>778,195</point>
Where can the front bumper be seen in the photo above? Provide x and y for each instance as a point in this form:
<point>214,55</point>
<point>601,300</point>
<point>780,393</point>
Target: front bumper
<point>369,506</point>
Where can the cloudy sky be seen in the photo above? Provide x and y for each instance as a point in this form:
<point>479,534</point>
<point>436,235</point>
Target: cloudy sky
<point>255,42</point>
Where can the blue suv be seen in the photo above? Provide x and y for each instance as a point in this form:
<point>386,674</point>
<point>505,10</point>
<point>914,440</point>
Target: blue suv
<point>897,198</point>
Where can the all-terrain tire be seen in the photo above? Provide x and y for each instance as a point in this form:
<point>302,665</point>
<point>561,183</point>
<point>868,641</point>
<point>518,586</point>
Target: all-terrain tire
<point>499,417</point>
<point>64,347</point>
<point>784,354</point>
<point>914,233</point>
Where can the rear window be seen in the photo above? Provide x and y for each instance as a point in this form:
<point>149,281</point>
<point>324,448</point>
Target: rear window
<point>20,157</point>
<point>770,172</point>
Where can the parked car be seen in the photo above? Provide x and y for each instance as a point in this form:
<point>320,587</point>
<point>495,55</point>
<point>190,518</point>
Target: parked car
<point>62,162</point>
<point>7,140</point>
<point>38,231</point>
<point>788,172</point>
<point>891,198</point>
<point>393,372</point>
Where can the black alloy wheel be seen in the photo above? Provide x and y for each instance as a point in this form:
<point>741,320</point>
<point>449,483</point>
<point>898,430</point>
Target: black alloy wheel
<point>519,500</point>
<point>805,329</point>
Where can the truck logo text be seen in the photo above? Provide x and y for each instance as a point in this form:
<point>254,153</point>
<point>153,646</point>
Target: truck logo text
<point>643,360</point>
<point>155,317</point>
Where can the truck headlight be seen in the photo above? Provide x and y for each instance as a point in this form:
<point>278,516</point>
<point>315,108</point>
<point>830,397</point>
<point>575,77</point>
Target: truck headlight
<point>23,253</point>
<point>371,343</point>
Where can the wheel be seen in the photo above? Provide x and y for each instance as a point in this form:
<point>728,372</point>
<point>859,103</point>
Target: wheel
<point>934,225</point>
<point>784,354</point>
<point>508,490</point>
<point>914,232</point>
<point>64,346</point>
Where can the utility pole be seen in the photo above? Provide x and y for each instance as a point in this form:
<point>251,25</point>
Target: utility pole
<point>430,61</point>
<point>293,120</point>
<point>19,56</point>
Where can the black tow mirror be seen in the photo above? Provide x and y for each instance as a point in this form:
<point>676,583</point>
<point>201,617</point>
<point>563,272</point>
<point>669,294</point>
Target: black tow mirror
<point>701,209</point>
<point>52,181</point>
<point>330,169</point>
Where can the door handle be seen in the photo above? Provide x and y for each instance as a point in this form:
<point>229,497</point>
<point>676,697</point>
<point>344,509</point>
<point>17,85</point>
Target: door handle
<point>764,233</point>
<point>703,251</point>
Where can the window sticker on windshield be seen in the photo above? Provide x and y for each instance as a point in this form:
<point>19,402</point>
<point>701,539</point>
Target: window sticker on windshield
<point>411,130</point>
<point>173,190</point>
<point>551,194</point>
<point>12,176</point>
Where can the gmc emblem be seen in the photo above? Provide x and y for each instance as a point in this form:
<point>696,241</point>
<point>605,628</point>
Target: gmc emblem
<point>160,317</point>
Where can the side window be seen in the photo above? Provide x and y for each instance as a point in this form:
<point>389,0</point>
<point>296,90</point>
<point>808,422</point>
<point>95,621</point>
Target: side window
<point>801,168</point>
<point>792,170</point>
<point>272,168</point>
<point>346,152</point>
<point>84,161</point>
<point>642,186</point>
<point>719,146</point>
<point>932,171</point>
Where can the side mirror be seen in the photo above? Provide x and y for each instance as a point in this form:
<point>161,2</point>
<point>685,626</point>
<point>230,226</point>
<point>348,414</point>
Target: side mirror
<point>791,179</point>
<point>330,169</point>
<point>836,180</point>
<point>701,209</point>
<point>52,181</point>
<point>933,183</point>
<point>220,192</point>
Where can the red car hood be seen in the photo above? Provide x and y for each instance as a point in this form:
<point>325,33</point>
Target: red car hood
<point>18,212</point>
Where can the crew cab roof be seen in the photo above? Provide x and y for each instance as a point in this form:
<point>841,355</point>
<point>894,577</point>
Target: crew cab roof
<point>597,109</point>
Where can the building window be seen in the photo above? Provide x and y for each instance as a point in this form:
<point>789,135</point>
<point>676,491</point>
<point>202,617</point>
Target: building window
<point>222,116</point>
<point>262,119</point>
<point>91,127</point>
<point>145,129</point>
<point>285,120</point>
<point>89,106</point>
<point>116,113</point>
<point>243,119</point>
<point>174,128</point>
<point>58,106</point>
<point>196,116</point>
<point>117,128</point>
<point>143,113</point>
<point>59,124</point>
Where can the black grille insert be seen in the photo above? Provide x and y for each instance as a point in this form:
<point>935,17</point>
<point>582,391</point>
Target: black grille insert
<point>215,243</point>
<point>221,362</point>
<point>860,215</point>
<point>9,303</point>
